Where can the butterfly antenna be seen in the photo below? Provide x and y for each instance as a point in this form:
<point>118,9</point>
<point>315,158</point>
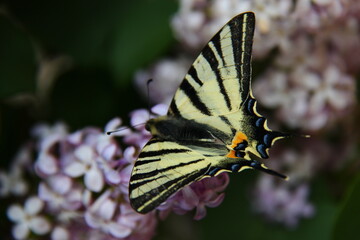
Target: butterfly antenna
<point>148,95</point>
<point>123,129</point>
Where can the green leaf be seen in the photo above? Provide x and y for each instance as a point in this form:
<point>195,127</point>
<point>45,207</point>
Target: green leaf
<point>348,218</point>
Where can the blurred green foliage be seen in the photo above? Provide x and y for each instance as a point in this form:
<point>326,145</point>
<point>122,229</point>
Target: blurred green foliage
<point>107,41</point>
<point>348,216</point>
<point>243,222</point>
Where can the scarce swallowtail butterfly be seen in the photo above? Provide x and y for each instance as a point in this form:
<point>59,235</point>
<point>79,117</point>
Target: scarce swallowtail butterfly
<point>212,125</point>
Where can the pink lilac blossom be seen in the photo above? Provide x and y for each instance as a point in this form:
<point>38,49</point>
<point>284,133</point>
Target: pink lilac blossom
<point>198,196</point>
<point>13,181</point>
<point>287,202</point>
<point>26,218</point>
<point>83,180</point>
<point>282,202</point>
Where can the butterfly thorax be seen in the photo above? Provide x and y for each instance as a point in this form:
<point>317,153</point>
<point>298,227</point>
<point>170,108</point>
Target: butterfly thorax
<point>186,131</point>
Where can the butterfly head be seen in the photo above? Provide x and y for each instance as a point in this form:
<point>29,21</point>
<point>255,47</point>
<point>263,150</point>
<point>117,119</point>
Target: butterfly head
<point>154,125</point>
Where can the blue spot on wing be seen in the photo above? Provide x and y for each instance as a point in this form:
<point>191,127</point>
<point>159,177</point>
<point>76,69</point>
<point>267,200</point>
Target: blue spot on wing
<point>261,148</point>
<point>213,171</point>
<point>260,122</point>
<point>250,105</point>
<point>235,167</point>
<point>268,139</point>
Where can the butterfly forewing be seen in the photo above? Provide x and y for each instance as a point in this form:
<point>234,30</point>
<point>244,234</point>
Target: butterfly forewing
<point>218,82</point>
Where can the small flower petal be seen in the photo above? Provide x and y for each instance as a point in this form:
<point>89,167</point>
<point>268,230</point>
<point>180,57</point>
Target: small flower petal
<point>60,184</point>
<point>33,206</point>
<point>85,154</point>
<point>113,124</point>
<point>107,209</point>
<point>200,212</point>
<point>94,180</point>
<point>16,213</point>
<point>86,197</point>
<point>118,230</point>
<point>139,117</point>
<point>60,233</point>
<point>39,225</point>
<point>113,176</point>
<point>20,231</point>
<point>160,109</point>
<point>46,164</point>
<point>75,169</point>
<point>109,151</point>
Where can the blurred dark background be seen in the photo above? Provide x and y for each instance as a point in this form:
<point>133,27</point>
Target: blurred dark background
<point>74,61</point>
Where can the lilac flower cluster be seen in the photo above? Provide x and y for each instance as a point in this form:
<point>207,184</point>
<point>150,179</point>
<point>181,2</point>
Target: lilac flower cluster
<point>310,81</point>
<point>287,201</point>
<point>81,185</point>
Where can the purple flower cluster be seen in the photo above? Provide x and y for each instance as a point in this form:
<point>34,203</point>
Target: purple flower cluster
<point>81,184</point>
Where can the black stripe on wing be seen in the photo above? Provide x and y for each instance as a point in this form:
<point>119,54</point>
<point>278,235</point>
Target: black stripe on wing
<point>193,74</point>
<point>143,162</point>
<point>173,109</point>
<point>155,140</point>
<point>134,186</point>
<point>150,200</point>
<point>242,40</point>
<point>209,55</point>
<point>162,171</point>
<point>194,98</point>
<point>227,122</point>
<point>159,153</point>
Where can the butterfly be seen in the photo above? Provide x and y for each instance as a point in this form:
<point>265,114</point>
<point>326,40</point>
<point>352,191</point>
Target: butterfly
<point>212,125</point>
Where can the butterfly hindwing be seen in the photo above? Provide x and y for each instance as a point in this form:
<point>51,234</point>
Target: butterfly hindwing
<point>162,168</point>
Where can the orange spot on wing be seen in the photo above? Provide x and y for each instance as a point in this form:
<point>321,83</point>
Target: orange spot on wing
<point>239,137</point>
<point>231,154</point>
